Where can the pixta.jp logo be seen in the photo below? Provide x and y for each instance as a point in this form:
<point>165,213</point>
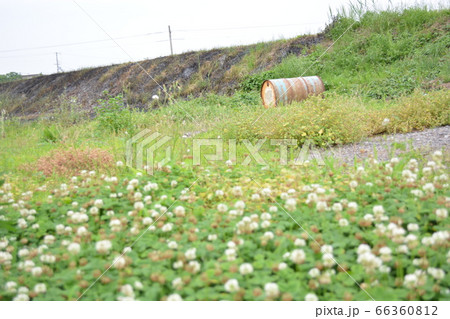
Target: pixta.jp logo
<point>144,146</point>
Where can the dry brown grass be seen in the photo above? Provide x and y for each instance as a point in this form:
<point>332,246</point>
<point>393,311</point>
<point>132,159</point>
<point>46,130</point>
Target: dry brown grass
<point>70,162</point>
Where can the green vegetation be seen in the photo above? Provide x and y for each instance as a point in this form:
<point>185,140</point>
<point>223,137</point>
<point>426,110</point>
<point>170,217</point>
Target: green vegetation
<point>69,206</point>
<point>11,76</point>
<point>383,55</point>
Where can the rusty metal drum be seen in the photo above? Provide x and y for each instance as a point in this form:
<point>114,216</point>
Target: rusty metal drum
<point>285,91</point>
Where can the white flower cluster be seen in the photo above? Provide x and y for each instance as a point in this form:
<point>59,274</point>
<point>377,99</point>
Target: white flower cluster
<point>327,256</point>
<point>246,225</point>
<point>369,261</point>
<point>103,246</point>
<point>418,278</point>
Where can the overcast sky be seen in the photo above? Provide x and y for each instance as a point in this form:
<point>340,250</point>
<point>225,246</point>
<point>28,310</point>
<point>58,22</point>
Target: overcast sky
<point>31,31</point>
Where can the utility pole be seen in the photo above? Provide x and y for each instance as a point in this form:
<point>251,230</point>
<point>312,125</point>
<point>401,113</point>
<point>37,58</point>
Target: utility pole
<point>170,39</point>
<point>58,68</point>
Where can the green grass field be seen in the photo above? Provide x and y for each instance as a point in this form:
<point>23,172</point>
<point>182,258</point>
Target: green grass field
<point>77,223</point>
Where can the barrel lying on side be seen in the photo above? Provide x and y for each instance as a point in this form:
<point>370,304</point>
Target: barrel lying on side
<point>285,91</point>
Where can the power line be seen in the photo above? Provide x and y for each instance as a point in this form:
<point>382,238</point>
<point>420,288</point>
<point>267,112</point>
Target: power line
<point>246,27</point>
<point>80,43</point>
<point>155,33</point>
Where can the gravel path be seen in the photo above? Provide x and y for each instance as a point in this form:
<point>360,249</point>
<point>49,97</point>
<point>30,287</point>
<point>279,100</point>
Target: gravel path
<point>386,146</point>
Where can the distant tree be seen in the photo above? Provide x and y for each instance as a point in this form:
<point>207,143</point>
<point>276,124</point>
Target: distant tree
<point>11,76</point>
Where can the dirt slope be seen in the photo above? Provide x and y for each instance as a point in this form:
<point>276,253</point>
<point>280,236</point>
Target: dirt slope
<point>183,75</point>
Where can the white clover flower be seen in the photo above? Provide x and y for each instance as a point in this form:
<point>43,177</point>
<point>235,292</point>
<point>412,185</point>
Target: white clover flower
<point>138,206</point>
<point>237,191</point>
<point>311,297</point>
<point>299,242</point>
<point>321,206</point>
<point>219,193</point>
<point>115,225</point>
<point>266,192</point>
<point>266,216</point>
<point>48,259</point>
<point>98,203</point>
<point>352,207</point>
<point>353,184</point>
<point>167,227</point>
<point>427,241</point>
<point>138,285</point>
<point>312,198</point>
<point>410,238</point>
<point>190,253</point>
<point>239,205</point>
<point>232,285</point>
<point>174,297</point>
<point>11,286</point>
<point>40,288</point>
<point>147,221</point>
<point>436,273</point>
<point>326,249</point>
<point>402,249</point>
<point>314,272</point>
<point>271,289</point>
<point>22,297</point>
<point>178,264</point>
<point>410,281</point>
<point>82,231</point>
<point>343,222</point>
<point>137,196</point>
<point>222,208</point>
<point>378,210</point>
<point>255,197</point>
<point>282,266</point>
<point>328,260</point>
<point>127,290</point>
<point>363,248</point>
<point>59,229</point>
<point>93,211</point>
<point>437,156</point>
<point>412,227</point>
<point>212,237</point>
<point>441,213</point>
<point>369,261</point>
<point>440,237</point>
<point>428,188</point>
<point>74,248</point>
<point>246,269</point>
<point>273,209</point>
<point>298,256</point>
<point>103,246</point>
<point>119,262</point>
<point>385,269</point>
<point>179,211</point>
<point>230,253</point>
<point>177,283</point>
<point>291,204</point>
<point>337,207</point>
<point>172,244</point>
<point>119,164</point>
<point>268,235</point>
<point>194,266</point>
<point>36,271</point>
<point>385,253</point>
<point>23,252</point>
